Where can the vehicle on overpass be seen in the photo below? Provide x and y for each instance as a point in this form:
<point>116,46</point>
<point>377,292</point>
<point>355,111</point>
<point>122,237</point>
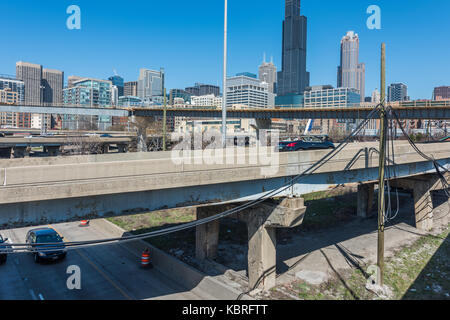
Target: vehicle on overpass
<point>307,143</point>
<point>3,255</point>
<point>46,244</point>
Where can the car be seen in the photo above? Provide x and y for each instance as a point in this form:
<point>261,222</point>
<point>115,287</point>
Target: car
<point>46,244</point>
<point>3,254</point>
<point>307,143</point>
<point>106,135</point>
<point>282,145</point>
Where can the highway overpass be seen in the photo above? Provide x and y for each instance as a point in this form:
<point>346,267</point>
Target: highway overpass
<point>35,190</point>
<point>57,189</point>
<point>17,145</point>
<point>432,110</point>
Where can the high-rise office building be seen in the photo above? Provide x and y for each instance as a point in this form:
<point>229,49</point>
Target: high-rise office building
<point>176,94</point>
<point>351,73</point>
<point>88,92</point>
<point>201,89</point>
<point>119,83</point>
<point>249,92</point>
<point>209,100</point>
<point>53,83</point>
<point>267,72</point>
<point>150,84</point>
<point>397,92</point>
<point>130,89</point>
<point>441,93</point>
<point>293,79</point>
<point>31,75</point>
<point>376,96</point>
<point>15,87</point>
<point>12,91</point>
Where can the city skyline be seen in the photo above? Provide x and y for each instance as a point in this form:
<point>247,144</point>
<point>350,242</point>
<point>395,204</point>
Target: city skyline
<point>323,55</point>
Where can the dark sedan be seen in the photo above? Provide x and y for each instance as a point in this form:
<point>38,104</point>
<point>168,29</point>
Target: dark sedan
<point>3,250</point>
<point>307,143</point>
<point>46,244</point>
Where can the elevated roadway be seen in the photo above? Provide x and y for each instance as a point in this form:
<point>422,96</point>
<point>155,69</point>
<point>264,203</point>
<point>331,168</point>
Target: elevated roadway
<point>432,110</point>
<point>60,189</point>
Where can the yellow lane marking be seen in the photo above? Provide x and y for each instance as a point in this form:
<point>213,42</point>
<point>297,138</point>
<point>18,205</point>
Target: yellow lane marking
<point>96,268</point>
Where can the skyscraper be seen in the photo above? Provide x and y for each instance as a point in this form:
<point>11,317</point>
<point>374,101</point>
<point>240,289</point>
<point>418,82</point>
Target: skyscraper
<point>53,83</point>
<point>150,84</point>
<point>248,91</point>
<point>201,89</point>
<point>351,73</point>
<point>441,93</point>
<point>293,79</point>
<point>119,83</point>
<point>398,92</point>
<point>130,89</point>
<point>267,72</point>
<point>31,75</point>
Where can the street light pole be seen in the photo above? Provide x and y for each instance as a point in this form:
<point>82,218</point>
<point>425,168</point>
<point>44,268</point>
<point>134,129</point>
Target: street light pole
<point>224,89</point>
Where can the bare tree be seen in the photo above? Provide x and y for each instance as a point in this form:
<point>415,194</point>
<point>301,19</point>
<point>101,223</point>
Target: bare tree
<point>145,126</point>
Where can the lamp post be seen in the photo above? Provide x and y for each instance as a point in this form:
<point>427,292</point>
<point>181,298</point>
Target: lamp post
<point>224,96</point>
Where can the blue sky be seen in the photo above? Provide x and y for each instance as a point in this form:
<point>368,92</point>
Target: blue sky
<point>186,38</point>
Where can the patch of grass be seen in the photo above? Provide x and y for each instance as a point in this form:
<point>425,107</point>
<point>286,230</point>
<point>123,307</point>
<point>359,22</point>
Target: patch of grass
<point>327,212</point>
<point>152,221</point>
<point>419,272</point>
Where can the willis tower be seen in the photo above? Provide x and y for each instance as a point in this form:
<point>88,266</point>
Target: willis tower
<point>293,79</point>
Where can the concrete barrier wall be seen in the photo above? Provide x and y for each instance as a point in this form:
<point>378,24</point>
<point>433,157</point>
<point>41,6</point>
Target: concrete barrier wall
<point>89,177</point>
<point>175,269</point>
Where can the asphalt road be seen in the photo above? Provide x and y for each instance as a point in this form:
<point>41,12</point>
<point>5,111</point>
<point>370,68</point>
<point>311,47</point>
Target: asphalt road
<point>108,272</point>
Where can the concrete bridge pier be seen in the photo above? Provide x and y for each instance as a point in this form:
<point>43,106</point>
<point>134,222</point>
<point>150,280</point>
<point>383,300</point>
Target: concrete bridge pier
<point>262,222</point>
<point>365,199</point>
<point>262,124</point>
<point>5,153</point>
<point>52,151</point>
<point>421,187</point>
<point>20,152</point>
<point>207,235</point>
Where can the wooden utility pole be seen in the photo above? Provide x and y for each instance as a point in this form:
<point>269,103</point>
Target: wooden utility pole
<point>381,194</point>
<point>164,120</point>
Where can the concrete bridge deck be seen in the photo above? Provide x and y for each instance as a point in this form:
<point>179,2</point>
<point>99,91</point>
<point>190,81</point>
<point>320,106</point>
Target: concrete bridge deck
<point>67,188</point>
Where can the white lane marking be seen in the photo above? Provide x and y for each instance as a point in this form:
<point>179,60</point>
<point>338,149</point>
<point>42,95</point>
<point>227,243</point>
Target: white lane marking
<point>41,297</point>
<point>33,295</point>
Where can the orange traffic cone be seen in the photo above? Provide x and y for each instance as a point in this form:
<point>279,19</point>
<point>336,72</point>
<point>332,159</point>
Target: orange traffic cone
<point>84,223</point>
<point>145,259</point>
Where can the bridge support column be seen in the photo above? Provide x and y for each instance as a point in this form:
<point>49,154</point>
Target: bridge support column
<point>423,206</point>
<point>207,235</point>
<point>262,253</point>
<point>262,124</point>
<point>421,187</point>
<point>19,152</point>
<point>365,199</point>
<point>262,222</point>
<point>52,151</point>
<point>5,153</point>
